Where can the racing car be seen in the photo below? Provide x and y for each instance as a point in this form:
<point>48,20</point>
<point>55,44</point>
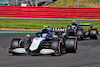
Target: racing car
<point>49,41</point>
<point>75,29</point>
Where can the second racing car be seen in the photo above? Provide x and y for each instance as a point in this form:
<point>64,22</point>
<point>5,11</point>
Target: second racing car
<point>75,29</point>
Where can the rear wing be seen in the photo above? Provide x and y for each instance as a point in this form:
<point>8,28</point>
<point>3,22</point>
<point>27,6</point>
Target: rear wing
<point>86,24</point>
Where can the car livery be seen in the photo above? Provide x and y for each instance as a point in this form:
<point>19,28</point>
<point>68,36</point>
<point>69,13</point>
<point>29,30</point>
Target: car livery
<point>49,41</point>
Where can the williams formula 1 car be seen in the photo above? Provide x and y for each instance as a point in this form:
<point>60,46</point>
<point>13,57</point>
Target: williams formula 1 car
<point>52,41</point>
<point>75,29</point>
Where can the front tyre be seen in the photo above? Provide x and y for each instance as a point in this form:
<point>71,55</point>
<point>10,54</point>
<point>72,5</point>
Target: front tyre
<point>80,34</point>
<point>56,45</point>
<point>16,43</point>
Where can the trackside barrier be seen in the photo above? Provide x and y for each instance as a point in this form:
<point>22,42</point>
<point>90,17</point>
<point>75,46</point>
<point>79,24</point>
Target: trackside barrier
<point>49,12</point>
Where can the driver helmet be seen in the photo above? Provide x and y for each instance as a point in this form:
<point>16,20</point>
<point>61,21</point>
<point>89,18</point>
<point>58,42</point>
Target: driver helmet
<point>74,22</point>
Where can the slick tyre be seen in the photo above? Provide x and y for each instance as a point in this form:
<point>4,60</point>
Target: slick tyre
<point>93,34</point>
<point>55,45</point>
<point>81,34</point>
<point>16,43</point>
<point>71,45</point>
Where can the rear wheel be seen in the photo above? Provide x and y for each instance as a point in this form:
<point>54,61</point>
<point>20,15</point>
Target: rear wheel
<point>71,45</point>
<point>93,34</point>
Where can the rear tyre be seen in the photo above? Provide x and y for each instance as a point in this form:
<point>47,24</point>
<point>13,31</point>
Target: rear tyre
<point>93,34</point>
<point>71,45</point>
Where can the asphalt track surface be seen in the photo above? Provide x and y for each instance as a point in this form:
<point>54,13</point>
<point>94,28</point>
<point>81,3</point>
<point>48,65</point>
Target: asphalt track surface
<point>88,55</point>
<point>50,19</point>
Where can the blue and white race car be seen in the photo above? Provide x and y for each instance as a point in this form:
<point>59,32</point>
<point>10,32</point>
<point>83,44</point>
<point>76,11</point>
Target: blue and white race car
<point>52,41</point>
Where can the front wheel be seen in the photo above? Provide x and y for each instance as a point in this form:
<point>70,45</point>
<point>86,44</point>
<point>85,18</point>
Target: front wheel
<point>57,46</point>
<point>16,43</point>
<point>80,34</point>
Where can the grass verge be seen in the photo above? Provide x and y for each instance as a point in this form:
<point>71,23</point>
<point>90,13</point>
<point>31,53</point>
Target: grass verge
<point>73,3</point>
<point>37,24</point>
